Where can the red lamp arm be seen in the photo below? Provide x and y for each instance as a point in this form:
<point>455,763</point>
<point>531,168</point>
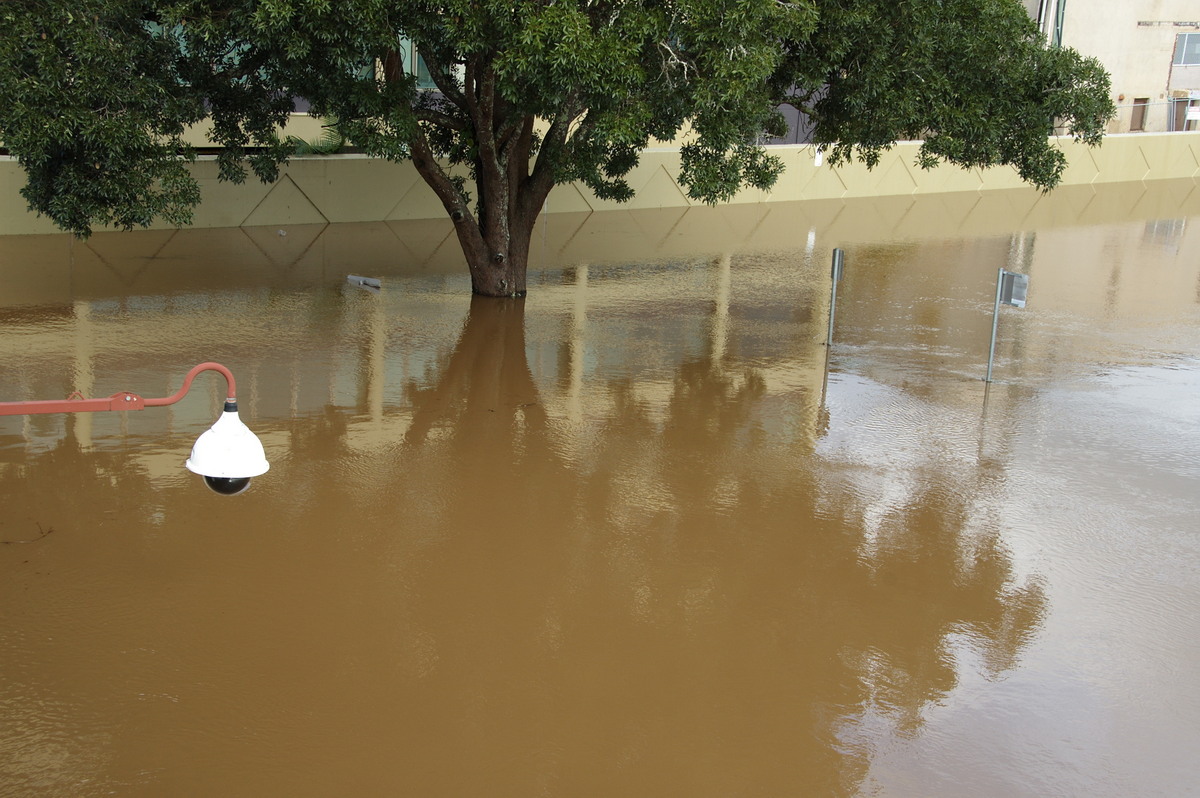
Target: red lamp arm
<point>118,401</point>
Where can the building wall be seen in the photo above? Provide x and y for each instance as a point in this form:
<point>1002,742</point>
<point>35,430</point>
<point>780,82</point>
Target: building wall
<point>354,188</point>
<point>1135,40</point>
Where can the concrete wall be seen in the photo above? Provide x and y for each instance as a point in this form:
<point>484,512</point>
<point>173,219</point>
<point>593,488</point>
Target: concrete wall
<point>351,188</point>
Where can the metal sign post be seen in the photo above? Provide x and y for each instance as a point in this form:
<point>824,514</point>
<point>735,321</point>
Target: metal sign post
<point>839,258</point>
<point>1011,289</point>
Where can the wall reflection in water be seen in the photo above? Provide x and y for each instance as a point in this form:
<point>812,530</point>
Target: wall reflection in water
<point>626,536</point>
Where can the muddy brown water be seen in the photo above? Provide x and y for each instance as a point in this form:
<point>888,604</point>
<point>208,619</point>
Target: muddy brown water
<point>640,534</point>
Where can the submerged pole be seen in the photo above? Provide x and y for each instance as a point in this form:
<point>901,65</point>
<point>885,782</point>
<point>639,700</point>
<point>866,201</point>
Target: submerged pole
<point>995,324</point>
<point>836,273</point>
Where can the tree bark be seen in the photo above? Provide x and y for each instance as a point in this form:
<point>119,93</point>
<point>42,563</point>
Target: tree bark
<point>500,269</point>
<point>495,243</point>
<point>509,195</point>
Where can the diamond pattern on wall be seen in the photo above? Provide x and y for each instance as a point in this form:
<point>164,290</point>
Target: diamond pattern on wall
<point>824,183</point>
<point>661,190</point>
<point>285,201</point>
<point>284,246</point>
<point>1141,153</point>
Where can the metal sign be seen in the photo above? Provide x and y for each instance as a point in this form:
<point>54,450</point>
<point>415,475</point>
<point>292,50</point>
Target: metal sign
<point>1013,288</point>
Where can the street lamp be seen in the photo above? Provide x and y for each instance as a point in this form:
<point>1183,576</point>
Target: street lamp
<point>227,455</point>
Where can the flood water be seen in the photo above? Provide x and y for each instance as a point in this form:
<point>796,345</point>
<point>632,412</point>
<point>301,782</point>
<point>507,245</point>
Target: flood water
<point>640,534</point>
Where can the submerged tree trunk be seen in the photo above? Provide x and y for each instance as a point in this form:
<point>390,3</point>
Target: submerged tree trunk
<point>496,233</point>
<point>498,268</point>
<point>495,240</point>
<point>494,227</point>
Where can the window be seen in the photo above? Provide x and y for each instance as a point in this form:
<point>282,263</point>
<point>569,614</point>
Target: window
<point>1187,48</point>
<point>1059,14</point>
<point>424,78</point>
<point>413,64</point>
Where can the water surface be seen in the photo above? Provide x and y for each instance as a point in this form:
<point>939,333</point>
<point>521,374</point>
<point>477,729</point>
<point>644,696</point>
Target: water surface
<point>641,533</point>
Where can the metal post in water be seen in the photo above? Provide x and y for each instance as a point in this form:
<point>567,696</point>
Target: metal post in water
<point>995,324</point>
<point>839,258</point>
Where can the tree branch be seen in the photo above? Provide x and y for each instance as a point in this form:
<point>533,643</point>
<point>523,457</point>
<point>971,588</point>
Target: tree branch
<point>554,146</point>
<point>517,150</point>
<point>445,82</point>
<point>433,174</point>
<point>439,118</point>
<point>495,189</point>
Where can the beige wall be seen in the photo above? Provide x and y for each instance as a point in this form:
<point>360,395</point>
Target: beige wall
<point>302,126</point>
<point>1135,40</point>
<point>352,188</point>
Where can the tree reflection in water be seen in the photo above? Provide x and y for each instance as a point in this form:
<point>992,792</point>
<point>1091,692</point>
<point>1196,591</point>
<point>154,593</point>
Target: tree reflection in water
<point>680,606</point>
<point>678,595</point>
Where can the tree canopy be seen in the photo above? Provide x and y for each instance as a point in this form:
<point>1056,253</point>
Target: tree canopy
<point>97,94</point>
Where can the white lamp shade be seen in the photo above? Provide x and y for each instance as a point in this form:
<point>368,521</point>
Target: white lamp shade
<point>229,450</point>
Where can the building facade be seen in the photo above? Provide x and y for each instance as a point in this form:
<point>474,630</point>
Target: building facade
<point>1150,47</point>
